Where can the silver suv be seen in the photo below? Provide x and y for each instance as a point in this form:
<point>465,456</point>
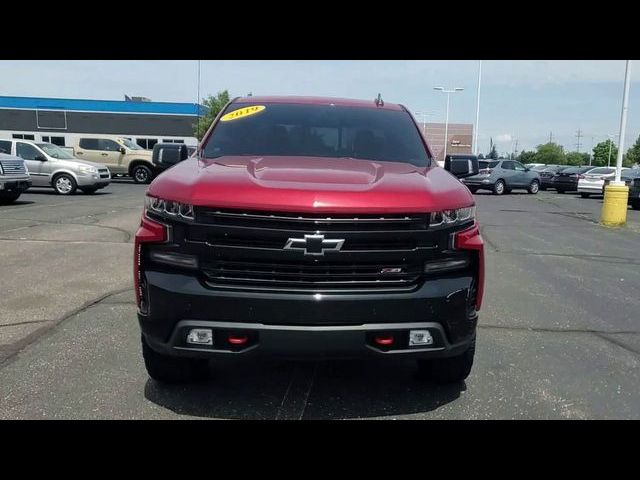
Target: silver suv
<point>51,166</point>
<point>14,178</point>
<point>502,176</point>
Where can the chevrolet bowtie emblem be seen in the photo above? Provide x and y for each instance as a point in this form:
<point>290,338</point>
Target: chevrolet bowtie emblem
<point>314,244</point>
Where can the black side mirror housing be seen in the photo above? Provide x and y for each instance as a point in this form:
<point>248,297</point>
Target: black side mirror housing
<point>166,155</point>
<point>123,150</point>
<point>461,166</point>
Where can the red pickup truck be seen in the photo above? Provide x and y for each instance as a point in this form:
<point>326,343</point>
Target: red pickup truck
<point>310,227</point>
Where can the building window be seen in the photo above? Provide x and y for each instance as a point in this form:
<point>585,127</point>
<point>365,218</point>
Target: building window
<point>168,140</point>
<point>24,136</point>
<point>147,143</point>
<point>55,140</point>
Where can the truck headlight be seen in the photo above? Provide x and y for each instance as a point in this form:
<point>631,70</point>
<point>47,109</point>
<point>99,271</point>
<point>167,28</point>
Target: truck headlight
<point>168,208</point>
<point>449,218</point>
<point>86,169</point>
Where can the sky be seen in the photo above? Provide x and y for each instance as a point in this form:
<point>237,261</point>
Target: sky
<point>521,100</point>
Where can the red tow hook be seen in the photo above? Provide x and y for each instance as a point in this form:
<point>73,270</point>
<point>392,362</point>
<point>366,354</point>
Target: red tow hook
<point>384,340</point>
<point>238,339</point>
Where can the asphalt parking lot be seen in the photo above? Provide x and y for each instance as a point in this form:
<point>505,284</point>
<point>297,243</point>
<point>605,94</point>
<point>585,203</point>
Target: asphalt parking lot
<point>559,333</point>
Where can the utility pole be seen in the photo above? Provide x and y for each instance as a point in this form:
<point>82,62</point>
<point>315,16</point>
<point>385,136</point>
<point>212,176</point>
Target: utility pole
<point>579,136</point>
<point>448,92</point>
<point>550,137</point>
<point>477,127</point>
<point>515,153</point>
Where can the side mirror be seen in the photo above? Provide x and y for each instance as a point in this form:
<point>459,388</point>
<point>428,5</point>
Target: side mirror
<point>166,155</point>
<point>461,166</point>
<point>123,150</point>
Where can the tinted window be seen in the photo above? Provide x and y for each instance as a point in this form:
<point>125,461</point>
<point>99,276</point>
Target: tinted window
<point>26,151</point>
<point>90,143</point>
<point>5,146</point>
<point>508,165</point>
<point>109,145</point>
<point>518,166</point>
<point>320,131</point>
<point>485,164</point>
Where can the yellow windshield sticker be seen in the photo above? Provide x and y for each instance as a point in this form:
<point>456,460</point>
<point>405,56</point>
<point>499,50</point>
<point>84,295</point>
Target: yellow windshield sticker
<point>242,112</point>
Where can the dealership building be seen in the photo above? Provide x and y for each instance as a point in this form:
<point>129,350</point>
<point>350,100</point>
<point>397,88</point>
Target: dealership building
<point>460,138</point>
<point>59,120</point>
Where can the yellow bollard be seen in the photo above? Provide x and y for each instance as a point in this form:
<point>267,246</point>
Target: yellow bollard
<point>614,209</point>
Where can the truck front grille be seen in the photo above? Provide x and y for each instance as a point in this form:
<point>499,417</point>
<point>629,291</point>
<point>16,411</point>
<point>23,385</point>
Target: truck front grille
<point>253,250</point>
<point>13,167</point>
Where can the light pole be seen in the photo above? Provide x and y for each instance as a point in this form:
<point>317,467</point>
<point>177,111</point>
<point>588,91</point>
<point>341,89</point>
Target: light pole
<point>475,137</point>
<point>424,121</point>
<point>446,123</point>
<point>616,194</point>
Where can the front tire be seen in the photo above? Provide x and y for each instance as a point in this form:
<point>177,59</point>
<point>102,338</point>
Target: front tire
<point>584,195</point>
<point>499,187</point>
<point>64,184</point>
<point>7,198</point>
<point>169,369</point>
<point>448,370</point>
<point>142,174</point>
<point>533,188</point>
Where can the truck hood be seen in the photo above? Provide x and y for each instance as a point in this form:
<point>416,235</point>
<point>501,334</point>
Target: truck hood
<point>311,184</point>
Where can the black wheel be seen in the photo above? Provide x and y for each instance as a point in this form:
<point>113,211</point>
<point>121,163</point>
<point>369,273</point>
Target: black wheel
<point>584,195</point>
<point>7,198</point>
<point>141,174</point>
<point>499,187</point>
<point>64,184</point>
<point>534,186</point>
<point>448,370</point>
<point>168,369</point>
<point>635,204</point>
<point>473,189</point>
<point>89,190</point>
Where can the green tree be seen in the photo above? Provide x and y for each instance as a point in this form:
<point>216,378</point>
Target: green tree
<point>481,156</point>
<point>633,154</point>
<point>578,159</point>
<point>213,104</point>
<point>601,153</point>
<point>527,157</point>
<point>550,153</point>
<point>493,152</point>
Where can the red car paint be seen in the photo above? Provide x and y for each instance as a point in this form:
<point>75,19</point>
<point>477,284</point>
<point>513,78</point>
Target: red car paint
<point>315,184</point>
<point>323,185</point>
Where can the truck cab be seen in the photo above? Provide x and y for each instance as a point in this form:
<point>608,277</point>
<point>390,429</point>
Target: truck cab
<point>310,227</point>
<point>121,155</point>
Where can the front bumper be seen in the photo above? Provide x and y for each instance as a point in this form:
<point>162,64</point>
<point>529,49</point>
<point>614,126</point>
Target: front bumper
<point>91,181</point>
<point>307,324</point>
<point>12,185</point>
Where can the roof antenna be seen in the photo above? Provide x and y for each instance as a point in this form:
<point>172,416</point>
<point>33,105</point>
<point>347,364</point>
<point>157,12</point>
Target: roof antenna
<point>379,101</point>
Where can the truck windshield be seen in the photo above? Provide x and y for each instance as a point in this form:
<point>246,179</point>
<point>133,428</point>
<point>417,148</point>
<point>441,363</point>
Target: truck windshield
<point>55,151</point>
<point>302,130</point>
<point>130,144</point>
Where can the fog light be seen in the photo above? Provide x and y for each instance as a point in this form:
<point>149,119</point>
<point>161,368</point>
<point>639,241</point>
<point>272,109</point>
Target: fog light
<point>200,336</point>
<point>176,259</point>
<point>238,339</point>
<point>420,337</point>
